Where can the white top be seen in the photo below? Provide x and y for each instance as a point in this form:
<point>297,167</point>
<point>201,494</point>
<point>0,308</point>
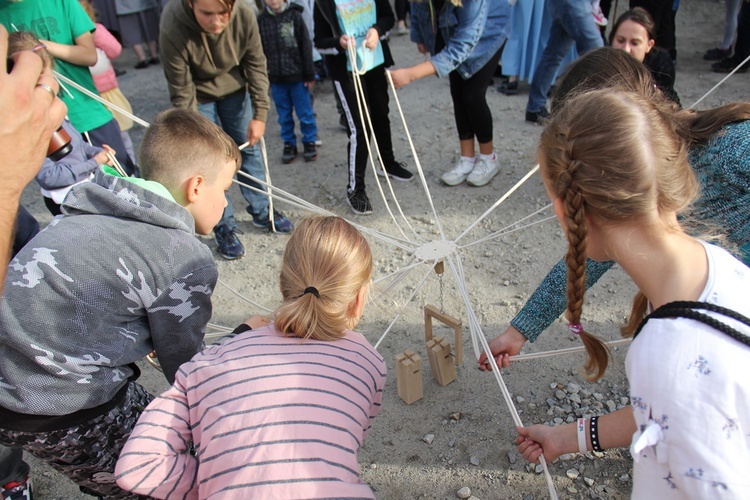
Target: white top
<point>690,391</point>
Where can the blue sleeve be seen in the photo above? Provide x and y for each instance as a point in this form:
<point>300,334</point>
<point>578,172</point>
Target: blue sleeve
<point>549,300</point>
<point>471,20</point>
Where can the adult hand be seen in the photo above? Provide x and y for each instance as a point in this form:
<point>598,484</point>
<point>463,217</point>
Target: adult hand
<point>255,131</point>
<point>310,84</point>
<point>29,114</point>
<point>422,49</point>
<point>552,441</point>
<point>503,347</point>
<point>372,38</point>
<point>256,322</point>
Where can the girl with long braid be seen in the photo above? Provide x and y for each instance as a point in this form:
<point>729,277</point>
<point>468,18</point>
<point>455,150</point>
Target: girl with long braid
<point>689,422</point>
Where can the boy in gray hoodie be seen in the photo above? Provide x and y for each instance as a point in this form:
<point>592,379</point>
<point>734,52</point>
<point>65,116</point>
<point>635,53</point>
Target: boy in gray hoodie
<point>119,275</point>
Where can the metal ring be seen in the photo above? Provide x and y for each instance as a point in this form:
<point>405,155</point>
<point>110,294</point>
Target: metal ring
<point>48,89</point>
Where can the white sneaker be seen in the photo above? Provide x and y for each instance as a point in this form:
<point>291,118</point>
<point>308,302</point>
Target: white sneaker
<point>459,172</point>
<point>483,172</point>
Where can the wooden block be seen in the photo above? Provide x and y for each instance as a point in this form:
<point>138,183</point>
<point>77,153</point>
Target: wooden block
<point>409,376</point>
<point>433,312</point>
<point>441,361</point>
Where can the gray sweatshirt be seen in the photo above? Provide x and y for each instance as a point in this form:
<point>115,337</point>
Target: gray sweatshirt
<point>119,275</point>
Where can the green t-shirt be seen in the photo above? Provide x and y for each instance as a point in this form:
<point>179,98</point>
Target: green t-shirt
<point>60,21</point>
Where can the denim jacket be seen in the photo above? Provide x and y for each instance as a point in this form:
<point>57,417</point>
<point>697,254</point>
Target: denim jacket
<point>472,33</point>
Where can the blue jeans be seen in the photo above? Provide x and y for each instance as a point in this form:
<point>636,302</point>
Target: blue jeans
<point>233,114</point>
<point>290,97</point>
<point>572,22</point>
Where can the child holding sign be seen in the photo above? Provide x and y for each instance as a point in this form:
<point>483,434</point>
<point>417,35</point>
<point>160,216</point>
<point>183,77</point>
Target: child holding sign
<point>338,24</point>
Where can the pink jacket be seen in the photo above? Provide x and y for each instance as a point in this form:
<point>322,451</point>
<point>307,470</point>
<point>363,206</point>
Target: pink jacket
<point>107,48</point>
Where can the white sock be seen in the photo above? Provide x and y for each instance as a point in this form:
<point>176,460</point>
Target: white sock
<point>469,159</point>
<point>491,157</point>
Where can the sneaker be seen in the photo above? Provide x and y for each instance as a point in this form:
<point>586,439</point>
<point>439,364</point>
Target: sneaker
<point>17,490</point>
<point>154,60</point>
<point>141,64</point>
<point>716,54</point>
<point>359,202</point>
<point>289,154</point>
<point>280,222</point>
<point>318,141</point>
<point>401,29</point>
<point>458,173</point>
<point>230,246</point>
<point>310,152</point>
<point>508,88</point>
<point>727,66</point>
<point>599,18</point>
<point>483,172</point>
<point>396,171</point>
<point>540,117</point>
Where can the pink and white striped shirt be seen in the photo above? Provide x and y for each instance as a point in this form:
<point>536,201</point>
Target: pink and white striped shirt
<point>268,416</point>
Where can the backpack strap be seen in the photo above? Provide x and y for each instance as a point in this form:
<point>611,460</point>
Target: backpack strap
<point>685,309</point>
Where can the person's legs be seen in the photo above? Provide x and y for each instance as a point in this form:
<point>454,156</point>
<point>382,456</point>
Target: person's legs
<point>742,47</point>
<point>730,27</point>
<point>376,93</point>
<point>282,98</point>
<point>356,149</point>
<point>87,453</point>
<point>302,100</point>
<point>558,45</point>
<point>576,19</point>
<point>235,112</point>
<point>110,134</point>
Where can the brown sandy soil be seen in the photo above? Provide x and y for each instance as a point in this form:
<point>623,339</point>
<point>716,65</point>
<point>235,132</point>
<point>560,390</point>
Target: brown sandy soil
<point>475,451</point>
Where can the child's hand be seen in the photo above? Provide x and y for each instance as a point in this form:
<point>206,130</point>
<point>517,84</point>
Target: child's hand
<point>345,40</point>
<point>537,439</point>
<point>310,84</point>
<point>400,77</point>
<point>256,322</point>
<point>372,38</point>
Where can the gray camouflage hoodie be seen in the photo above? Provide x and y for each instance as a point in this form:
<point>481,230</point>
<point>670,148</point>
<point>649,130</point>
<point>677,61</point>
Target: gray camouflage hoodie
<point>119,275</point>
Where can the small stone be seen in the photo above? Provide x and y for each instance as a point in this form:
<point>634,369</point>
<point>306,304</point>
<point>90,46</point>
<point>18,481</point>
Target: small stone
<point>452,443</point>
<point>568,456</point>
<point>520,399</point>
<point>572,473</point>
<point>574,398</point>
<point>429,438</point>
<point>560,395</point>
<point>553,386</point>
<point>539,469</point>
<point>557,420</point>
<point>572,490</point>
<point>474,460</point>
<point>589,482</point>
<point>573,388</point>
<point>624,478</point>
<point>456,416</point>
<point>373,466</point>
<point>512,457</point>
<point>464,492</point>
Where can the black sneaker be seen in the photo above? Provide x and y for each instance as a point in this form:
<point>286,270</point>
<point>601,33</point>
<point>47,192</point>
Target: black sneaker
<point>230,246</point>
<point>716,54</point>
<point>727,66</point>
<point>289,154</point>
<point>396,171</point>
<point>359,202</point>
<point>508,88</point>
<point>540,117</point>
<point>280,222</point>
<point>310,152</point>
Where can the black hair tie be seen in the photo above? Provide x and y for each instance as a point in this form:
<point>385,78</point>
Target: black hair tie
<point>312,290</point>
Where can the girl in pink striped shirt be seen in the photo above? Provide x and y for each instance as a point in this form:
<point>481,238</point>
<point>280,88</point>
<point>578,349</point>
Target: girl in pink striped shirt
<point>278,411</point>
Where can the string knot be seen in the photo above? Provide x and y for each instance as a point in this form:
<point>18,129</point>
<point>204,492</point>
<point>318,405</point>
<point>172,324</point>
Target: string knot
<point>575,328</point>
<point>312,290</point>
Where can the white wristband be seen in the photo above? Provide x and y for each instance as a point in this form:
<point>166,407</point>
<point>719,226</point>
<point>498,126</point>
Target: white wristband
<point>581,427</point>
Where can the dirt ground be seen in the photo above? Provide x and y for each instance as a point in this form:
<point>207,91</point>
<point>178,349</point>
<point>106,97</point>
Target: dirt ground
<point>460,435</point>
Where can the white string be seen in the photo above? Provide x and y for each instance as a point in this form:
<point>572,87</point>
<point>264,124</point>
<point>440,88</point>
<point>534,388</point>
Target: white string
<point>721,82</point>
<point>94,96</point>
<point>246,299</point>
<point>498,202</point>
<point>409,266</point>
<point>549,354</point>
<point>116,164</point>
<point>505,231</point>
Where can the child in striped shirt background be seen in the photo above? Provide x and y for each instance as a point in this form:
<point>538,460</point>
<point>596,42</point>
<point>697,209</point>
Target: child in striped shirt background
<point>279,411</point>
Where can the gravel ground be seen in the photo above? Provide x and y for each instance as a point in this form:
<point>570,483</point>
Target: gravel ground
<point>457,441</point>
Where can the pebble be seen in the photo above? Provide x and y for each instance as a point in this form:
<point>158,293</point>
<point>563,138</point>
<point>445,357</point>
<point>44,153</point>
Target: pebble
<point>589,482</point>
<point>464,492</point>
<point>474,460</point>
<point>512,458</point>
<point>520,399</point>
<point>373,466</point>
<point>456,416</point>
<point>572,473</point>
<point>539,469</point>
<point>428,438</point>
<point>624,478</point>
<point>452,443</point>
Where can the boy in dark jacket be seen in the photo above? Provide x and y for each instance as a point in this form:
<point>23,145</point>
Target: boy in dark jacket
<point>288,49</point>
<point>332,40</point>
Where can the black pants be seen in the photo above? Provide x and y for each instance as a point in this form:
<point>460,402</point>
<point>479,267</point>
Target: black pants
<point>375,86</point>
<point>664,19</point>
<point>742,46</point>
<point>473,115</point>
<point>401,7</point>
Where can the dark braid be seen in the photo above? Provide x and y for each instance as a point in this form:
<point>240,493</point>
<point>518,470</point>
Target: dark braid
<point>684,309</point>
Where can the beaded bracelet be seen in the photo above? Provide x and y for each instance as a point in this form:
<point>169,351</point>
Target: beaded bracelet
<point>594,434</point>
